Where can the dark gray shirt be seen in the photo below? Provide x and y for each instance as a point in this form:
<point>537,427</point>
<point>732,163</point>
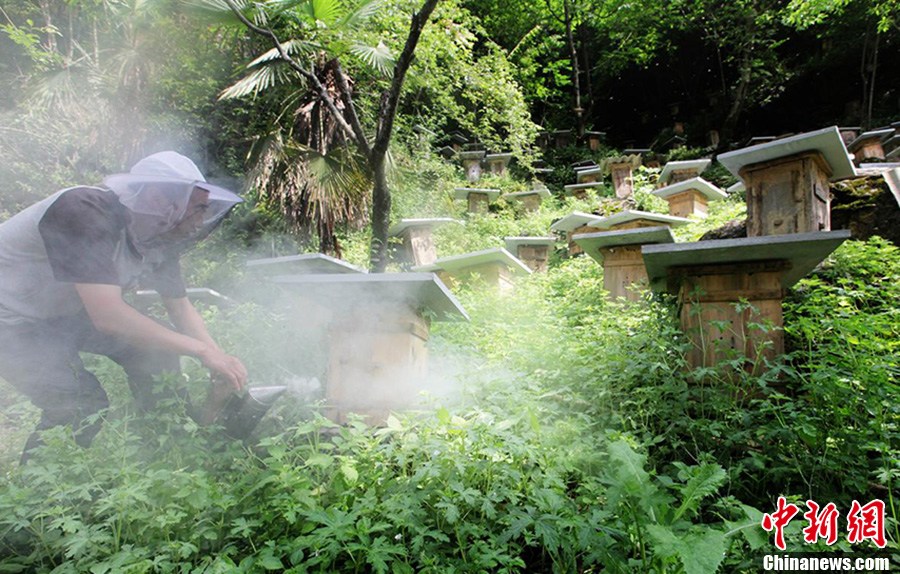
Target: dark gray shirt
<point>78,235</point>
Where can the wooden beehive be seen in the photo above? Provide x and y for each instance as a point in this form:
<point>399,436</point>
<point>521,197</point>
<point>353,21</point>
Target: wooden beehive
<point>497,162</point>
<point>619,252</point>
<point>378,360</point>
<point>688,203</point>
<point>622,179</point>
<point>730,291</point>
<point>419,243</point>
<point>869,146</point>
<point>690,197</point>
<point>471,161</point>
<point>478,202</point>
<point>494,267</point>
<point>377,334</point>
<point>534,256</point>
<point>531,202</point>
<point>788,195</point>
<point>722,307</point>
<point>588,175</point>
<point>594,139</point>
<point>623,268</point>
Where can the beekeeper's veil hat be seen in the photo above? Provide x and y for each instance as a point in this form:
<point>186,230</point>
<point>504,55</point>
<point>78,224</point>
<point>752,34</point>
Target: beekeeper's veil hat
<point>157,191</point>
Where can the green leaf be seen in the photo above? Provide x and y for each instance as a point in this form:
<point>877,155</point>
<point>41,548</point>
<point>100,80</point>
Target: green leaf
<point>701,550</point>
<point>704,480</point>
<point>629,466</point>
<point>378,57</point>
<point>326,11</point>
<point>257,81</point>
<point>750,528</point>
<point>269,561</point>
<point>351,475</point>
<point>357,17</point>
<point>290,47</point>
<point>320,459</point>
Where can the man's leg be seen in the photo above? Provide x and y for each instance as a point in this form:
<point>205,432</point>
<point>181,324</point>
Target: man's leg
<point>41,361</point>
<point>142,366</point>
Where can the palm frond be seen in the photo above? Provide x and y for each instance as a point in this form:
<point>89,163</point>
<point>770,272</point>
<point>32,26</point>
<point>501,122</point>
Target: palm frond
<point>360,15</point>
<point>378,57</point>
<point>327,11</point>
<point>258,80</point>
<point>56,89</point>
<point>220,12</point>
<point>291,47</point>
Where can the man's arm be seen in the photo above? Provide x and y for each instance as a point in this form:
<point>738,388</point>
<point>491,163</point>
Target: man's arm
<point>187,320</point>
<point>110,314</point>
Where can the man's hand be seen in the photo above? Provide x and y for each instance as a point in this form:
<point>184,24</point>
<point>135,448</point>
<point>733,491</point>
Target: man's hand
<point>225,366</point>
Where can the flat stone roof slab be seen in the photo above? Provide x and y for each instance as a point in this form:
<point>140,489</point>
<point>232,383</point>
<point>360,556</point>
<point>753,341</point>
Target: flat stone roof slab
<point>461,262</point>
<point>513,243</point>
<point>478,154</point>
<point>633,160</point>
<point>463,192</point>
<point>892,178</point>
<point>875,169</point>
<point>634,215</point>
<point>583,172</point>
<point>804,251</point>
<point>880,134</point>
<point>421,290</point>
<point>541,191</point>
<point>591,243</point>
<point>431,222</point>
<point>697,184</point>
<point>504,156</point>
<point>305,263</point>
<point>573,187</point>
<point>696,165</point>
<point>826,141</point>
<point>574,220</point>
<point>204,294</point>
<point>736,187</point>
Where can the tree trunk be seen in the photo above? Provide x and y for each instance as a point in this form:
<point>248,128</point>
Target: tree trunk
<point>740,97</point>
<point>381,216</point>
<point>867,67</point>
<point>576,72</point>
<point>50,37</point>
<point>387,112</point>
<point>585,53</point>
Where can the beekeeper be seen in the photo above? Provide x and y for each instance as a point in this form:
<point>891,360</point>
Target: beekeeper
<point>64,265</point>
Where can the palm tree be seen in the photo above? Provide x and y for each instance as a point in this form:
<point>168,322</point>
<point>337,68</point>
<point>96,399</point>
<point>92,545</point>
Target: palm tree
<point>325,131</point>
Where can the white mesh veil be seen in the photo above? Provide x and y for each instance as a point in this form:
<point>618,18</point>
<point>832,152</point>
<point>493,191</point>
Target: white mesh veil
<point>157,191</point>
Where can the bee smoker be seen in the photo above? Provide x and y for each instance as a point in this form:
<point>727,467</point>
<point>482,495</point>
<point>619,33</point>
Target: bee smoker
<point>243,412</point>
